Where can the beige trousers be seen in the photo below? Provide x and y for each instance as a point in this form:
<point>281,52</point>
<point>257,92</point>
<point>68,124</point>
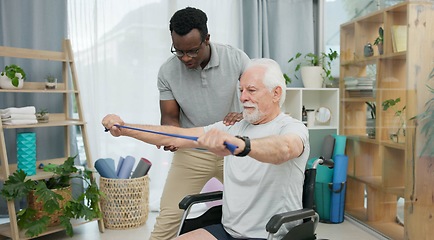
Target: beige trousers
<point>189,172</point>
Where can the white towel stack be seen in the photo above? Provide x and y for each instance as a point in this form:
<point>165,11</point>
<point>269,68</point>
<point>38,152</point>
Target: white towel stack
<point>18,116</point>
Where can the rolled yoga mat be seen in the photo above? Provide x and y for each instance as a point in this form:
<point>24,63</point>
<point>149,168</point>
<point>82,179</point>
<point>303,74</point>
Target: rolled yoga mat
<point>126,167</point>
<point>142,168</point>
<point>340,144</point>
<point>338,188</point>
<point>104,168</point>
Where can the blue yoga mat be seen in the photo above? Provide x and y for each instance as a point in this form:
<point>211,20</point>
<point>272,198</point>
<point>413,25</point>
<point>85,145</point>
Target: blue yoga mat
<point>340,145</point>
<point>104,168</point>
<point>120,162</point>
<point>126,167</point>
<point>338,190</point>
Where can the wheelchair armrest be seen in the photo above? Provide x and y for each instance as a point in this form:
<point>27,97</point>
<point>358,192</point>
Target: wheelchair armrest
<point>277,220</point>
<point>198,198</point>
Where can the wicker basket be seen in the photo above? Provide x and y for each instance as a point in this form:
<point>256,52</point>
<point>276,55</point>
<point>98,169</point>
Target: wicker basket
<point>125,204</point>
<point>54,218</point>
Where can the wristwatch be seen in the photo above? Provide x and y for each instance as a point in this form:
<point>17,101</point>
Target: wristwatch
<point>246,148</point>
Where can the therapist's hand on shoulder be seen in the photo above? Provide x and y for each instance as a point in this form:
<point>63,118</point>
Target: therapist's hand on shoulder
<point>232,117</point>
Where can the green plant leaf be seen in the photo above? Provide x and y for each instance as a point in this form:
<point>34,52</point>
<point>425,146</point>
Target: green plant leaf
<point>86,205</point>
<point>48,197</point>
<point>15,187</point>
<point>66,223</point>
<point>37,226</point>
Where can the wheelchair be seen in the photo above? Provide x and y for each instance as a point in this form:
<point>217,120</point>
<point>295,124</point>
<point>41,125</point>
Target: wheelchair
<point>303,231</point>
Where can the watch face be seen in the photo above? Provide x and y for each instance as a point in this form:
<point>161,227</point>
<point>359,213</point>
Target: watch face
<point>323,115</point>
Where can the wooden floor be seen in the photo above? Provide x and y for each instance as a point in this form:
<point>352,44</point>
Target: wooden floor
<point>349,229</point>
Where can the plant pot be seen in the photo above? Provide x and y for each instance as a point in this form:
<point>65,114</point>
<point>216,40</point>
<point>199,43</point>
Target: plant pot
<point>6,83</point>
<point>312,76</point>
<point>42,118</point>
<point>38,206</point>
<point>51,84</point>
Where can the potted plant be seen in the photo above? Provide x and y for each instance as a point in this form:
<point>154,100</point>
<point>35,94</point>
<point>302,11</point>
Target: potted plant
<point>42,116</point>
<point>379,40</point>
<point>399,134</point>
<point>314,68</point>
<point>50,82</point>
<point>52,203</point>
<point>12,77</point>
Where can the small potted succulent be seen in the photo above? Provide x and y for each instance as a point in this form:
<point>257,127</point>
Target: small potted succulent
<point>50,82</point>
<point>12,77</point>
<point>42,116</point>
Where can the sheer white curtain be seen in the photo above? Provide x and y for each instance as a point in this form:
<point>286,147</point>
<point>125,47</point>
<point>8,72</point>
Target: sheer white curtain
<point>119,47</point>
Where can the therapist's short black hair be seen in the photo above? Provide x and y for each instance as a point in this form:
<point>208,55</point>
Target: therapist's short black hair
<point>187,19</point>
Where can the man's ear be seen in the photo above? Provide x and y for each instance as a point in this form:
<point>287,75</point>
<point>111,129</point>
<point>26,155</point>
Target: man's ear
<point>277,93</point>
<point>207,39</point>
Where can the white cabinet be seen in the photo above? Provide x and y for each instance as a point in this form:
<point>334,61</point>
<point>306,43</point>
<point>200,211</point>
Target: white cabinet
<point>314,98</point>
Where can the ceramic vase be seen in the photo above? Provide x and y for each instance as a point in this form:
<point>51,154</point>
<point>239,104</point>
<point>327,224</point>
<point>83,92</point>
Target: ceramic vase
<point>312,76</point>
<point>26,152</point>
<point>6,83</point>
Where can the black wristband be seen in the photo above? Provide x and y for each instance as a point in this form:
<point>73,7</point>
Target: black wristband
<point>246,148</point>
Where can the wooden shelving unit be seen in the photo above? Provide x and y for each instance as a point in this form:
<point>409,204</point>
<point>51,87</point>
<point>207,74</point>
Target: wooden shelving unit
<point>380,170</point>
<point>65,119</point>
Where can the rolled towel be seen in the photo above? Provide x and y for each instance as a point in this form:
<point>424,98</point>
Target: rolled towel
<point>20,116</point>
<point>21,110</point>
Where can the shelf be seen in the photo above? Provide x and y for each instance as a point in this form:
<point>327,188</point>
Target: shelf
<point>68,91</point>
<point>51,123</point>
<point>374,181</point>
<point>390,144</point>
<point>39,87</point>
<point>380,170</point>
<point>34,54</point>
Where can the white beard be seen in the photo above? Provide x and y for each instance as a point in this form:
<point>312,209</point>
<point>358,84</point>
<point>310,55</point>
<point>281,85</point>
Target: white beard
<point>253,117</point>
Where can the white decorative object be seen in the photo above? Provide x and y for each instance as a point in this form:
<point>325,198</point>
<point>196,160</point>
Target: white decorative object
<point>310,118</point>
<point>323,115</point>
<point>312,76</point>
<point>6,83</point>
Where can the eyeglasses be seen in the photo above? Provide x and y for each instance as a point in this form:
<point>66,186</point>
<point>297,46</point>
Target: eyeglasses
<point>190,53</point>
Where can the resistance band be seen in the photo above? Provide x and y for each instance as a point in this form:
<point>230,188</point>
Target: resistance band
<point>229,146</point>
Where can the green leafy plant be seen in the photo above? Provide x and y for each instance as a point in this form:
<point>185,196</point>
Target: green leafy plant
<point>380,38</point>
<point>50,78</point>
<point>14,73</point>
<point>86,205</point>
<point>310,59</point>
<point>399,112</point>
